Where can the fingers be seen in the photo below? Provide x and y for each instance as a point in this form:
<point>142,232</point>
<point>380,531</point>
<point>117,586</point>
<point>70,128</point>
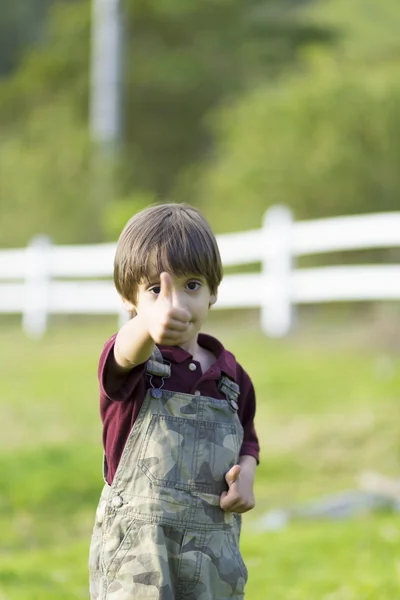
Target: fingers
<point>229,505</point>
<point>166,287</point>
<point>171,331</point>
<point>179,315</point>
<point>223,502</point>
<point>175,325</point>
<point>170,339</point>
<point>231,501</point>
<point>236,500</point>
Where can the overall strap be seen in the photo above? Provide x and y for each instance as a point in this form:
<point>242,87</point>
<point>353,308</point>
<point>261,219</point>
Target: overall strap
<point>229,388</point>
<point>155,365</point>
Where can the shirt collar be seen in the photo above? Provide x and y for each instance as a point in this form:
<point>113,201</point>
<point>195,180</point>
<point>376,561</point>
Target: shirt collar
<point>225,360</point>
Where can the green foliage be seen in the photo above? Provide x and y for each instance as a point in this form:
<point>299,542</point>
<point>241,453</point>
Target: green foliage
<point>187,58</point>
<point>55,71</point>
<point>323,144</point>
<point>117,213</point>
<point>325,140</point>
<point>47,169</point>
<point>368,30</point>
<point>181,60</point>
<point>21,24</point>
<point>47,184</point>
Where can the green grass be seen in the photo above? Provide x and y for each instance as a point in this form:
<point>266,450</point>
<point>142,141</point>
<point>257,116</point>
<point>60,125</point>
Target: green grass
<point>327,410</point>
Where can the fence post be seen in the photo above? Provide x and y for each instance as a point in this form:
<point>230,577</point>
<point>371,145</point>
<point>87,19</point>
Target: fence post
<point>37,287</point>
<point>276,303</point>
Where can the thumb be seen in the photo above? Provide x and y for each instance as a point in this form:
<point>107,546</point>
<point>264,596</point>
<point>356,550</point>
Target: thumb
<point>166,287</point>
<point>232,475</point>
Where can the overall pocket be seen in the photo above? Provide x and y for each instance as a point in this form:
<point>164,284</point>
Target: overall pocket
<point>235,549</point>
<point>97,534</point>
<point>216,452</point>
<point>95,550</point>
<point>166,457</point>
<point>188,454</point>
<point>212,565</point>
<point>119,545</point>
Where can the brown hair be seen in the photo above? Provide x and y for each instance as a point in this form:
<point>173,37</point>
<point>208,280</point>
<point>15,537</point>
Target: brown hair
<point>166,237</point>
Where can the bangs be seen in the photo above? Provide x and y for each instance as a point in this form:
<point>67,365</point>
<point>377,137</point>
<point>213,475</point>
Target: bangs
<point>169,237</point>
<point>183,252</point>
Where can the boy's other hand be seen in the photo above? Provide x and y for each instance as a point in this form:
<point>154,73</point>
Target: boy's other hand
<point>240,497</point>
<point>167,323</point>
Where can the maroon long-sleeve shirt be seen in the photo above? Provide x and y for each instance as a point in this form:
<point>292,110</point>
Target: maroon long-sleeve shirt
<point>121,400</point>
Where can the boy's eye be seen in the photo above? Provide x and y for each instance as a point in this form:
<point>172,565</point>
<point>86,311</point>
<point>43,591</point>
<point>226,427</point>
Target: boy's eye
<point>155,289</point>
<point>193,285</point>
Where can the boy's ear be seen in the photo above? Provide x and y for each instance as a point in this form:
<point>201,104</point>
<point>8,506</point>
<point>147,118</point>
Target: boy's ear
<point>129,307</point>
<point>213,299</point>
<point>127,304</point>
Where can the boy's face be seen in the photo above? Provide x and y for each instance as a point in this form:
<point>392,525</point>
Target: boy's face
<point>189,292</point>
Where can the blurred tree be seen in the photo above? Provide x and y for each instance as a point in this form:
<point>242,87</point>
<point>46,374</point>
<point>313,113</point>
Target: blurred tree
<point>369,28</point>
<point>55,71</point>
<point>182,60</point>
<point>325,144</point>
<point>185,58</point>
<point>21,25</point>
<point>45,180</point>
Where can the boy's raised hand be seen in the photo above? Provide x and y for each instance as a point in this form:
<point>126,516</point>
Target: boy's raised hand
<point>167,323</point>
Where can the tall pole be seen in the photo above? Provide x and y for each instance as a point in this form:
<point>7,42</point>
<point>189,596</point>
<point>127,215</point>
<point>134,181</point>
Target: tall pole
<point>105,110</point>
<point>106,74</point>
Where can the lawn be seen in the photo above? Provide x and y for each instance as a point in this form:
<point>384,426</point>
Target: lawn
<point>327,411</point>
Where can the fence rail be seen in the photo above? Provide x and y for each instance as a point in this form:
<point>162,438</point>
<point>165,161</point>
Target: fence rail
<point>44,279</point>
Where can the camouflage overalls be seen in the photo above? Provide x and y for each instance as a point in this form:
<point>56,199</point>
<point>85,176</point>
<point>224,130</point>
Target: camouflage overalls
<point>160,533</point>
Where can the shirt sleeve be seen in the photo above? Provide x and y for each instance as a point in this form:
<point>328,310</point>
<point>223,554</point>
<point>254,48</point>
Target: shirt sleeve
<point>247,411</point>
<point>115,387</point>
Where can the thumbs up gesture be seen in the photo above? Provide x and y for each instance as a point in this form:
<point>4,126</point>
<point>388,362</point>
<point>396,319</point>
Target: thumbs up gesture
<point>167,324</point>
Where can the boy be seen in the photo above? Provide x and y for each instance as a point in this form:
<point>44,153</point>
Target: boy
<point>178,424</point>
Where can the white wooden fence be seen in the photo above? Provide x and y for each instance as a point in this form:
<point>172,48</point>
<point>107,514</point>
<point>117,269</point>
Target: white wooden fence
<point>43,279</point>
